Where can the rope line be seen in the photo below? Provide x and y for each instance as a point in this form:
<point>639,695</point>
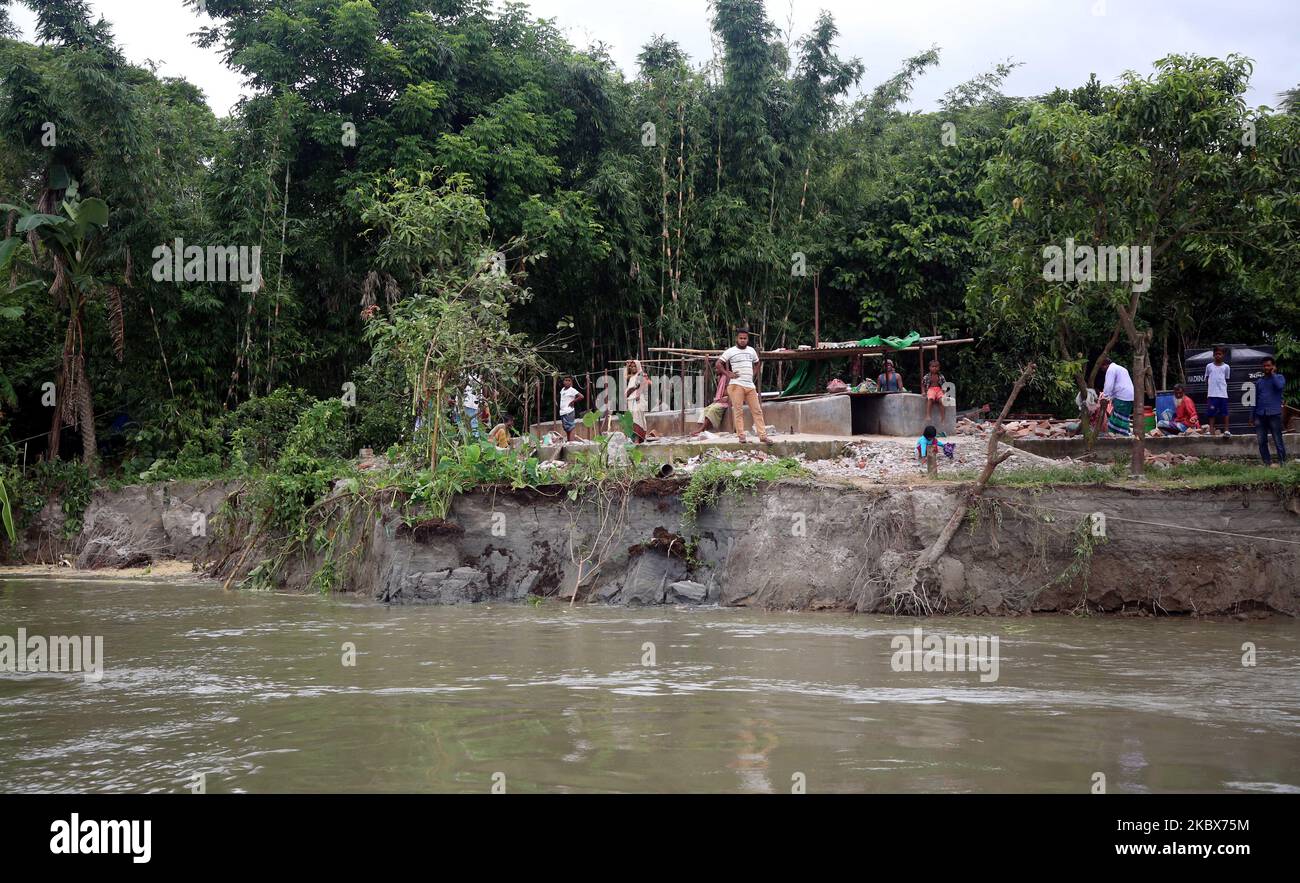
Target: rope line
<point>1222,533</point>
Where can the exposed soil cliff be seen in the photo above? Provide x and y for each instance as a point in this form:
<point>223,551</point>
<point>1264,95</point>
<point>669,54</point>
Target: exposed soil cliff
<point>793,545</point>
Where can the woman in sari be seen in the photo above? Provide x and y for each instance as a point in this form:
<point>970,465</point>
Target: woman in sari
<point>636,392</point>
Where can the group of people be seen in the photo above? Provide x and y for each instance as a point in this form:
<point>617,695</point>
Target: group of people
<point>1116,404</point>
<point>469,411</point>
<point>932,383</point>
<point>739,369</point>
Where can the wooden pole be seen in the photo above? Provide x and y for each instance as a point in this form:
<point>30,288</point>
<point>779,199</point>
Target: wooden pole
<point>682,399</point>
<point>932,459</point>
<point>817,311</point>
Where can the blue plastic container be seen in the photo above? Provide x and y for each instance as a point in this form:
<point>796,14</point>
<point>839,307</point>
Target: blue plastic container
<point>1165,406</point>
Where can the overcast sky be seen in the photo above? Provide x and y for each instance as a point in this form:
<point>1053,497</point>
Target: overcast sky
<point>1059,42</point>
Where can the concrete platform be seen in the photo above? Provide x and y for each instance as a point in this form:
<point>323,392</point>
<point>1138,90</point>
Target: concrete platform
<point>904,414</point>
<point>834,414</point>
<point>813,447</point>
<point>1238,447</point>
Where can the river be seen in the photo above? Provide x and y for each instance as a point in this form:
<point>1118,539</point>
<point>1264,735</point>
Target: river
<point>249,692</point>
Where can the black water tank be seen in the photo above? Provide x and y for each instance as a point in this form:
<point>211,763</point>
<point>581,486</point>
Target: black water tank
<point>1247,363</point>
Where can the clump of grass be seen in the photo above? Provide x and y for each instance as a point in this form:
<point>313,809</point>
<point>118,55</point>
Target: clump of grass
<point>718,477</point>
<point>1202,474</point>
<point>1046,476</point>
<point>1228,473</point>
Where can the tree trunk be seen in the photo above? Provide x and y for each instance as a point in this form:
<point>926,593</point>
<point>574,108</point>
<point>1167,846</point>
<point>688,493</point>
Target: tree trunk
<point>992,461</point>
<point>1085,421</point>
<point>1164,368</point>
<point>89,445</point>
<point>1140,342</point>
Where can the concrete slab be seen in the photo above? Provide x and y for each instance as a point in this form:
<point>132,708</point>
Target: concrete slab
<point>680,449</point>
<point>1238,447</point>
<point>901,414</point>
<point>904,414</point>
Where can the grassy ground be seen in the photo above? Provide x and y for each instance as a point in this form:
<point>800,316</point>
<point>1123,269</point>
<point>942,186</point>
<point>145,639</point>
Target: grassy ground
<point>1204,474</point>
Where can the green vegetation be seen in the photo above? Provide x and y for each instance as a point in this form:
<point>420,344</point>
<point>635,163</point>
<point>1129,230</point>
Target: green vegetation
<point>447,193</point>
<point>1202,474</point>
<point>26,493</point>
<point>715,478</point>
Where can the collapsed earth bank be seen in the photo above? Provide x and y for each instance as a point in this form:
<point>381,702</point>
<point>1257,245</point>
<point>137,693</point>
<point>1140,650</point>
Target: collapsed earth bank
<point>792,545</point>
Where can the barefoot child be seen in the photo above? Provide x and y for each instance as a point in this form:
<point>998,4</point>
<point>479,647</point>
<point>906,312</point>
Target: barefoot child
<point>932,388</point>
<point>929,436</point>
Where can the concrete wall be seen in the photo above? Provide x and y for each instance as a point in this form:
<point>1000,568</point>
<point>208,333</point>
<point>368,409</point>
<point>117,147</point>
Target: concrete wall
<point>896,414</point>
<point>904,414</point>
<point>824,415</point>
<point>1243,447</point>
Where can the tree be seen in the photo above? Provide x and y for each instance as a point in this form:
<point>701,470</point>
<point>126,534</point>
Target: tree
<point>65,251</point>
<point>1174,170</point>
<point>454,329</point>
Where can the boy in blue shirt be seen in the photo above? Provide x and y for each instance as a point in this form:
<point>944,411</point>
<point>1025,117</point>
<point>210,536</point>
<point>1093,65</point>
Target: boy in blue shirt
<point>1267,416</point>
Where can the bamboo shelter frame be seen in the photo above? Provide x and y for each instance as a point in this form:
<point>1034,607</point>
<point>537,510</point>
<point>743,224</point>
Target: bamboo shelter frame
<point>824,351</point>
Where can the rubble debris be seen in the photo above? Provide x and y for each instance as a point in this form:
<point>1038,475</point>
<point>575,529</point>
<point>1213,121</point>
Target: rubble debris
<point>895,460</point>
<point>1170,459</point>
<point>1049,428</point>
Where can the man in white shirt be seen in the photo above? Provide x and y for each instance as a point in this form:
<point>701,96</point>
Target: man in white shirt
<point>1118,391</point>
<point>740,366</point>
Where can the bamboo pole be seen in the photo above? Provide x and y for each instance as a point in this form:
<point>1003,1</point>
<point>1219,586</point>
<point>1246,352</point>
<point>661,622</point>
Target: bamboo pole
<point>682,398</point>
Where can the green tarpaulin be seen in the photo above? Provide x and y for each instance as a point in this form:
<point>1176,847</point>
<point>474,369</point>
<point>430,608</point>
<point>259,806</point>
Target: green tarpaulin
<point>897,343</point>
<point>801,382</point>
<point>804,376</point>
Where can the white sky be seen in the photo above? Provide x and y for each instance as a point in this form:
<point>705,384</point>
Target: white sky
<point>1059,41</point>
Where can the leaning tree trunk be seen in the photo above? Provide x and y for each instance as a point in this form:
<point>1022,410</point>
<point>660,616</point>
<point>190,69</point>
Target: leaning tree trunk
<point>993,459</point>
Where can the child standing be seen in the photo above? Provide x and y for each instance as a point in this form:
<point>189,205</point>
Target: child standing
<point>568,414</point>
<point>932,389</point>
<point>1216,401</point>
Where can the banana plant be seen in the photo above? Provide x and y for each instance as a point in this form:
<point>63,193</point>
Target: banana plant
<point>7,513</point>
<point>59,253</point>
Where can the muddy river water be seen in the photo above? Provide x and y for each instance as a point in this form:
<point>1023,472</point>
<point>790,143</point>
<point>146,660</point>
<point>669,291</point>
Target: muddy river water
<point>252,692</point>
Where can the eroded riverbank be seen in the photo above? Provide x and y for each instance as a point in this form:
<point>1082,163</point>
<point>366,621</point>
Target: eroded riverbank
<point>792,545</point>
